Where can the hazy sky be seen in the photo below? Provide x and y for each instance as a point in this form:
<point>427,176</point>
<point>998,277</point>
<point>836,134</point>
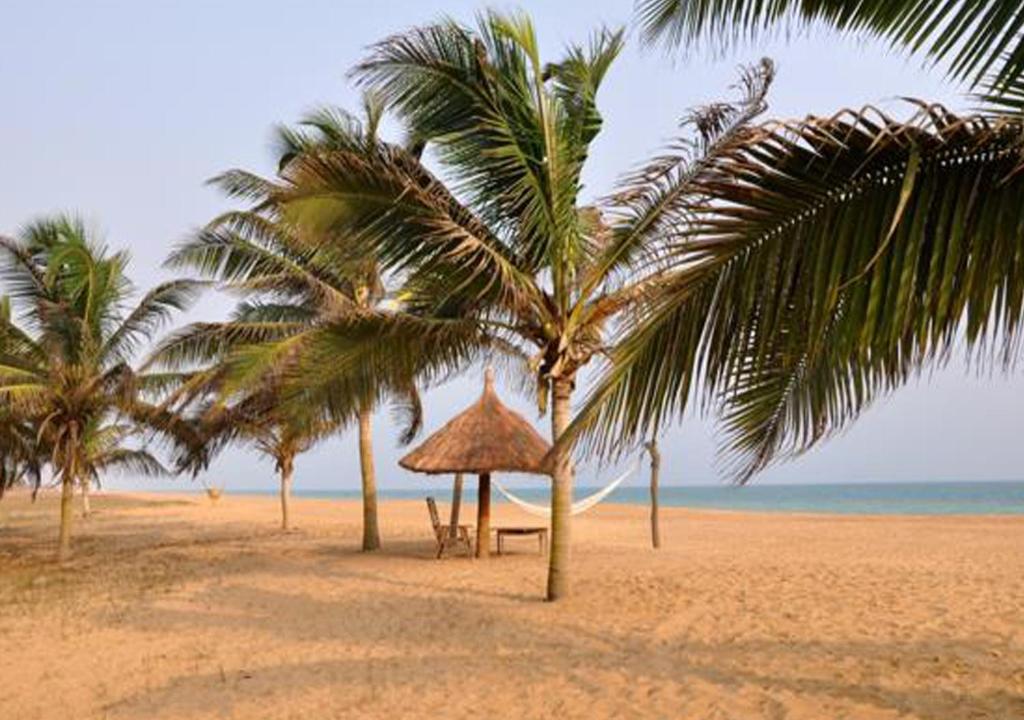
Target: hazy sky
<point>120,110</point>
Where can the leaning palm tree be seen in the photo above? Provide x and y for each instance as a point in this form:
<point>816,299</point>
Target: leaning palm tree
<point>503,252</point>
<point>979,41</point>
<point>290,284</point>
<point>66,366</point>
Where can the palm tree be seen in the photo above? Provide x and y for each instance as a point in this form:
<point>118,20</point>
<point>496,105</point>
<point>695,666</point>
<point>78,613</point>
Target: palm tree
<point>68,370</point>
<point>104,450</point>
<point>261,419</point>
<point>224,413</point>
<point>290,285</point>
<point>504,254</point>
<point>981,41</point>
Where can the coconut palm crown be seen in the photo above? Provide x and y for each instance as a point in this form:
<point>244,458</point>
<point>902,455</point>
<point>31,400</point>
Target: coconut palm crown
<point>65,361</point>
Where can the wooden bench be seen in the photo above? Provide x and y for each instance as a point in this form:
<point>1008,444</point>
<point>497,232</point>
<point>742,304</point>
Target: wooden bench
<point>540,532</point>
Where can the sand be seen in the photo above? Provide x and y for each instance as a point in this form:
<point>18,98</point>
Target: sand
<point>177,608</point>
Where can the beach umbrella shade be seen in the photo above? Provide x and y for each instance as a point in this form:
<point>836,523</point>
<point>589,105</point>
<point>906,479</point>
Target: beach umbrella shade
<point>484,438</point>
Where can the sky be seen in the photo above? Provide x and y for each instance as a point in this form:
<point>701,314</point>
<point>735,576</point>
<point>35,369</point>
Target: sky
<point>120,111</point>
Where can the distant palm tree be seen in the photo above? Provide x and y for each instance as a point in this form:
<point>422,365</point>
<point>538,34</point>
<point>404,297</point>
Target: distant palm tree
<point>65,369</point>
<point>502,252</point>
<point>981,41</point>
<point>290,285</point>
<point>105,450</point>
<point>259,418</point>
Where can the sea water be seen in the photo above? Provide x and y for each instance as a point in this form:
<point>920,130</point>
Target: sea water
<point>918,498</point>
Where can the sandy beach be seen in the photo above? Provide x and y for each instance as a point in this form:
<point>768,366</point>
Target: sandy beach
<point>177,608</point>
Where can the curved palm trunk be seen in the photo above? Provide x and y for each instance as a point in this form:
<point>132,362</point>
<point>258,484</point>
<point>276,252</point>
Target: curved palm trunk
<point>67,498</point>
<point>286,465</point>
<point>561,494</point>
<point>371,532</point>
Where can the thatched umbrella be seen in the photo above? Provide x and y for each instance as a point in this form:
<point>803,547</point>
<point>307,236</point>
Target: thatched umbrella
<point>486,437</point>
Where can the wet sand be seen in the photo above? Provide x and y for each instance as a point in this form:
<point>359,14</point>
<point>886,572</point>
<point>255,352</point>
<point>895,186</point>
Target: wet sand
<point>177,608</point>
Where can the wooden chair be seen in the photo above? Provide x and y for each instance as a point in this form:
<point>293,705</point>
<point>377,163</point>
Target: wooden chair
<point>443,534</point>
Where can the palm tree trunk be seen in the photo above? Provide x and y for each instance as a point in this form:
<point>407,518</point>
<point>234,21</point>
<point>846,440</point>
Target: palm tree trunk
<point>286,491</point>
<point>67,498</point>
<point>86,505</point>
<point>561,493</point>
<point>371,532</point>
<point>652,448</point>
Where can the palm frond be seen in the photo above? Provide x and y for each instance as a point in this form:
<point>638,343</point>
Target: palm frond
<point>834,258</point>
<point>479,96</point>
<point>153,312</point>
<point>972,37</point>
<point>386,206</point>
<point>655,204</point>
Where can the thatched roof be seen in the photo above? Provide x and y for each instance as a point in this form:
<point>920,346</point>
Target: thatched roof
<point>486,437</point>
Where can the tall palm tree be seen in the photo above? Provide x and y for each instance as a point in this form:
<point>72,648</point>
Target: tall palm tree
<point>499,250</point>
<point>980,41</point>
<point>68,370</point>
<point>290,285</point>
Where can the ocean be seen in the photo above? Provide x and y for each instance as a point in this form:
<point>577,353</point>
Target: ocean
<point>936,498</point>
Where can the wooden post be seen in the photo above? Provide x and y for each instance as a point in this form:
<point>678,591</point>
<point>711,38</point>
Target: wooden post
<point>483,517</point>
<point>453,523</point>
<point>652,448</point>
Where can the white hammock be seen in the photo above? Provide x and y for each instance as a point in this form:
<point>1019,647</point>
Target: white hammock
<point>577,507</point>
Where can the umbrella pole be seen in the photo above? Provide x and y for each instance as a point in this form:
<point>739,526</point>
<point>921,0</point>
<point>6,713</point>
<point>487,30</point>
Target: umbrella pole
<point>453,523</point>
<point>483,517</point>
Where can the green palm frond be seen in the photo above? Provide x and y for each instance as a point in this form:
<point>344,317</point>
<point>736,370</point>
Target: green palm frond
<point>654,204</point>
<point>514,151</point>
<point>367,359</point>
<point>153,312</point>
<point>1003,96</point>
<point>129,461</point>
<point>388,206</point>
<point>972,37</point>
<point>833,259</point>
<point>201,343</point>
